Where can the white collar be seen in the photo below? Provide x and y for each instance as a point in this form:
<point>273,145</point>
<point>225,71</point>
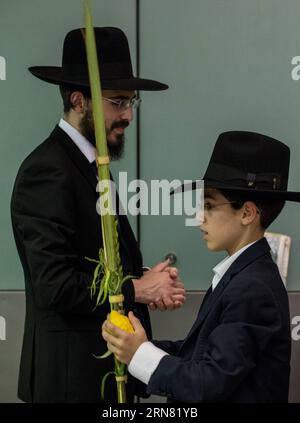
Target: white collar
<point>82,143</point>
<point>221,268</point>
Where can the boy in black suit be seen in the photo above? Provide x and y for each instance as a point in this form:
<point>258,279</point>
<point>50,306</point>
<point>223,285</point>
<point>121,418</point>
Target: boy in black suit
<point>239,347</point>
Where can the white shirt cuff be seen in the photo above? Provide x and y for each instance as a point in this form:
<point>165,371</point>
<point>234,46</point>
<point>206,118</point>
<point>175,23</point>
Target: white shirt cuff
<point>145,361</point>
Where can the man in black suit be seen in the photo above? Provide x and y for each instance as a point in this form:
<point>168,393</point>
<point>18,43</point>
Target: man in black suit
<point>239,347</point>
<point>56,227</point>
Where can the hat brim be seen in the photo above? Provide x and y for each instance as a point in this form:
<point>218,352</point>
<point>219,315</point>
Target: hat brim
<point>53,75</point>
<point>267,194</point>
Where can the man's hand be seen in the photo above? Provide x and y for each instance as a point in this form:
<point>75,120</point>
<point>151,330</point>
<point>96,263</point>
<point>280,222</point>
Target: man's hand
<point>121,343</point>
<point>160,287</point>
<point>173,272</point>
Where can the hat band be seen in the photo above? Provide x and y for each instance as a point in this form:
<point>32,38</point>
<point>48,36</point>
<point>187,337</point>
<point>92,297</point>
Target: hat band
<point>239,178</point>
<point>116,70</point>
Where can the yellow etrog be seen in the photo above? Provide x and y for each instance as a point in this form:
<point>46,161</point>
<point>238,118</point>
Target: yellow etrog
<point>121,321</point>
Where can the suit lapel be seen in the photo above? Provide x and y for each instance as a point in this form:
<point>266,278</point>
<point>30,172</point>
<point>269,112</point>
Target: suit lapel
<point>252,253</point>
<point>132,256</point>
<point>76,156</point>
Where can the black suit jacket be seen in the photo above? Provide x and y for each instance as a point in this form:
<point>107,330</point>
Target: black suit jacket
<point>56,226</point>
<point>239,347</point>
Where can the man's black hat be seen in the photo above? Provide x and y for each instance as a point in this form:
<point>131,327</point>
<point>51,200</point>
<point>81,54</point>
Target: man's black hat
<point>114,59</point>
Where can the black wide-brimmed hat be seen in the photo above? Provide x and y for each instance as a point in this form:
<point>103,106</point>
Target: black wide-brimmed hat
<point>248,163</point>
<point>114,57</point>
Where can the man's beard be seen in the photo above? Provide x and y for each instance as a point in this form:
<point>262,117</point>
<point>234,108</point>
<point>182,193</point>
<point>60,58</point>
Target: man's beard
<point>115,148</point>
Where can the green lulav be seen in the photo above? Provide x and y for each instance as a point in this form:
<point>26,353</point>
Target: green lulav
<point>108,275</point>
<point>103,383</point>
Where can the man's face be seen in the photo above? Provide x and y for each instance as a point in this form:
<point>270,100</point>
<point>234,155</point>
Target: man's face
<point>116,120</point>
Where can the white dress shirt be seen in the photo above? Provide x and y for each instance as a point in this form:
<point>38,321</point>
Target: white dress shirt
<point>82,143</point>
<point>221,268</point>
<point>147,357</point>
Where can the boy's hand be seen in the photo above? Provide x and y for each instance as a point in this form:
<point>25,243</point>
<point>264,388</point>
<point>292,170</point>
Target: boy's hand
<point>121,343</point>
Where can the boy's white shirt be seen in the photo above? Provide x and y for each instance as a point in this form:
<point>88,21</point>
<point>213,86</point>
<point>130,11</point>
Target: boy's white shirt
<point>221,268</point>
<point>147,357</point>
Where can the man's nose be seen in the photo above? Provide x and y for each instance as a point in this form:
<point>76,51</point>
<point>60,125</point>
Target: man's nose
<point>127,114</point>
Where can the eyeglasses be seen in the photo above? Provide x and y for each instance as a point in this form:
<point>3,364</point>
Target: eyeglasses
<point>124,104</point>
<point>208,206</point>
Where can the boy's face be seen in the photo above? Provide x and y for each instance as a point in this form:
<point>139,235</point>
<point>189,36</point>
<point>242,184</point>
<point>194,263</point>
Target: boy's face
<point>222,225</point>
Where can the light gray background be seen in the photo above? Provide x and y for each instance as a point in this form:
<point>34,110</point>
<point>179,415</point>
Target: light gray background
<point>228,64</point>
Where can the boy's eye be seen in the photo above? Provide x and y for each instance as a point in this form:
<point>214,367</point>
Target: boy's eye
<point>207,206</point>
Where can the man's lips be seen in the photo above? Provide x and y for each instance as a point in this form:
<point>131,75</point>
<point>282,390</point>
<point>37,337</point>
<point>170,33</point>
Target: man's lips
<point>119,130</point>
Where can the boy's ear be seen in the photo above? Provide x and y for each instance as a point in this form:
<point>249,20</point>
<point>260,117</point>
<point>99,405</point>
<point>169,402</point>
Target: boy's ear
<point>249,213</point>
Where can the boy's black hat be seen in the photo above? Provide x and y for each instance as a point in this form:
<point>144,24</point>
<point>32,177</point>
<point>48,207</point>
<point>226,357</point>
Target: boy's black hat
<point>248,163</point>
<point>114,57</point>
